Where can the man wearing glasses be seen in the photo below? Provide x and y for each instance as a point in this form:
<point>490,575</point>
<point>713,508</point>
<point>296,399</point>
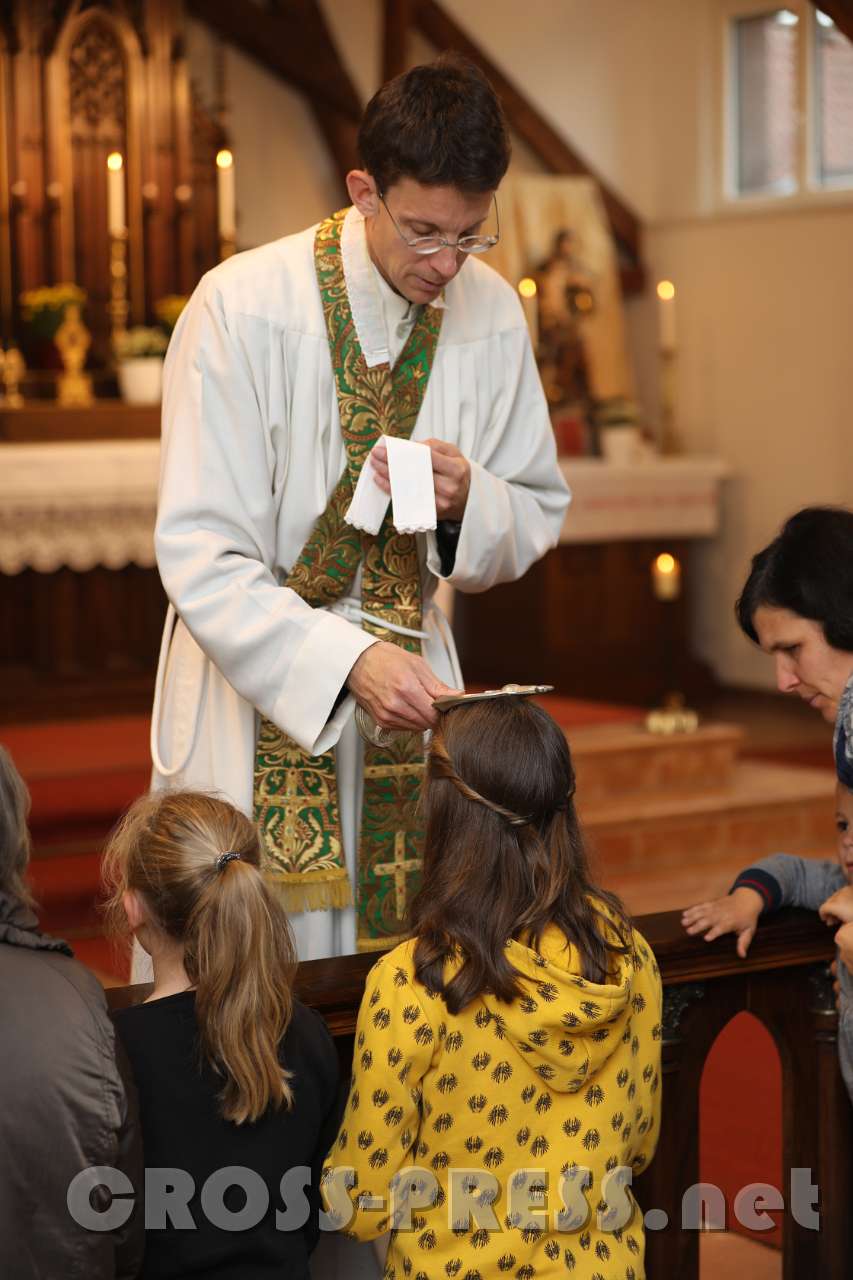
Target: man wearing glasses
<point>288,364</point>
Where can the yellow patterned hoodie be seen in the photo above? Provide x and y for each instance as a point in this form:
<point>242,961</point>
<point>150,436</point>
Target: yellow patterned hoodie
<point>474,1132</point>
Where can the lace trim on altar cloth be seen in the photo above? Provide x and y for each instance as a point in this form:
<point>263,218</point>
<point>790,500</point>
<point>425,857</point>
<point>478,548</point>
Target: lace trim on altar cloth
<point>54,537</point>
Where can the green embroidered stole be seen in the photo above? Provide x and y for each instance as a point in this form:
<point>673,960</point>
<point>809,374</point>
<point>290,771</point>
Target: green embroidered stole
<point>296,800</point>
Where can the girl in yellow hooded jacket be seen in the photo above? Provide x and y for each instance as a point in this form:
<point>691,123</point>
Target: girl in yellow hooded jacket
<point>506,1075</point>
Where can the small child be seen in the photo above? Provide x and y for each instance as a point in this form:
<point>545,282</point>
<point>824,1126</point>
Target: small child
<point>231,1070</point>
<point>785,881</point>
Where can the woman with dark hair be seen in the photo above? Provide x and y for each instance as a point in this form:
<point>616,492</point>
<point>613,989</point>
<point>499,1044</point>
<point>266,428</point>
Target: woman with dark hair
<point>66,1109</point>
<point>797,604</point>
<point>513,1043</point>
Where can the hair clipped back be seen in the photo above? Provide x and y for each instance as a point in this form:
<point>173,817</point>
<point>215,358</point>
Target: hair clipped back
<point>441,124</point>
<point>238,948</point>
<point>504,857</point>
<point>808,569</point>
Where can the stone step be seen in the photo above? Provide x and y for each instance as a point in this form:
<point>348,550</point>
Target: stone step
<point>625,762</point>
<point>766,808</point>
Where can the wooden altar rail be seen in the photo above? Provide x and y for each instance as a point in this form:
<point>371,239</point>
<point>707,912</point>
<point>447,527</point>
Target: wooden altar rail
<point>785,982</point>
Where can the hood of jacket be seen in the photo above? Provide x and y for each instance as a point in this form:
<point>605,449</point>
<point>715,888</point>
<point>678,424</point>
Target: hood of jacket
<point>19,928</point>
<point>565,1027</point>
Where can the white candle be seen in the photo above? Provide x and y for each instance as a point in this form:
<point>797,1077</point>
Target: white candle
<point>666,315</point>
<point>527,290</point>
<point>226,200</point>
<point>666,577</point>
<point>115,194</point>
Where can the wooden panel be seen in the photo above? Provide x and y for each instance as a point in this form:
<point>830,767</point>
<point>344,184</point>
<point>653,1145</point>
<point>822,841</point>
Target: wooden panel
<point>103,420</point>
<point>585,620</point>
<point>79,643</point>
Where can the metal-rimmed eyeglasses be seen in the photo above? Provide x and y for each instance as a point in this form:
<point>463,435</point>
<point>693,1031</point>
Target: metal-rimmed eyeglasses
<point>426,245</point>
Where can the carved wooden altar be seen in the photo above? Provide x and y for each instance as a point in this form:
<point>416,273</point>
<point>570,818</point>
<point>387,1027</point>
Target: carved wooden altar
<point>77,81</point>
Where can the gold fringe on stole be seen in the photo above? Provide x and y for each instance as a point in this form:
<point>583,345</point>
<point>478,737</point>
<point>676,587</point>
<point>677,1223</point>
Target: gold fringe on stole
<point>380,944</point>
<point>299,891</point>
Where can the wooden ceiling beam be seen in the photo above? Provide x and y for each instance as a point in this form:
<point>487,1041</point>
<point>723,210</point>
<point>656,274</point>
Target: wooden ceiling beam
<point>292,41</point>
<point>397,25</point>
<point>841,12</point>
<point>443,32</point>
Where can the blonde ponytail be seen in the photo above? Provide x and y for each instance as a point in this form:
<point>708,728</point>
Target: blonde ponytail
<point>238,948</point>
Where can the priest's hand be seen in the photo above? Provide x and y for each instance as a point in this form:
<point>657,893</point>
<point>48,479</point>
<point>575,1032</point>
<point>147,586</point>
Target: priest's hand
<point>396,688</point>
<point>839,908</point>
<point>737,913</point>
<point>451,476</point>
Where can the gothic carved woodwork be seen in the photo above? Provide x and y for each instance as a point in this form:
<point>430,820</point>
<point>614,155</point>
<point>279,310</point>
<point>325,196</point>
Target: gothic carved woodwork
<point>78,79</point>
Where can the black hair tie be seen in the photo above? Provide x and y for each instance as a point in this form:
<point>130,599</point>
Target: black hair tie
<point>225,858</point>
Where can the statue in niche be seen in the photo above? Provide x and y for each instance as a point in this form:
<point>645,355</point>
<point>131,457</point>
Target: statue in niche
<point>566,298</point>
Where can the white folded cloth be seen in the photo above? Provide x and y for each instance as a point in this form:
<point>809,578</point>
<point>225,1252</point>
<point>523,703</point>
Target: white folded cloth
<point>369,502</point>
<point>412,490</point>
<point>412,485</point>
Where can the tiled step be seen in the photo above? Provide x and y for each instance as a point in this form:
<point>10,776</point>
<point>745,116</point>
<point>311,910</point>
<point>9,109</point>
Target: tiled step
<point>625,762</point>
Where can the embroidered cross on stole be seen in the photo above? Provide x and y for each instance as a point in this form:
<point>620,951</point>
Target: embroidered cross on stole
<point>296,800</point>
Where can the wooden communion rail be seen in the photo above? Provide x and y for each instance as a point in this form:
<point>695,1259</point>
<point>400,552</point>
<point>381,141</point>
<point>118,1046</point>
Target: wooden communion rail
<point>785,982</point>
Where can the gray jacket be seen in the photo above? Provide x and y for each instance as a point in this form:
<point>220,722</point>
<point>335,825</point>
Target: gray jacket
<point>786,881</point>
<point>63,1108</point>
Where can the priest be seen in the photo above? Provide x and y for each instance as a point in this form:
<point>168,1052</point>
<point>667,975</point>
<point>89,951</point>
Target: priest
<point>287,366</point>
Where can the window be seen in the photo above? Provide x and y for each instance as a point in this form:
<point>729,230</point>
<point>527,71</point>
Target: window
<point>789,82</point>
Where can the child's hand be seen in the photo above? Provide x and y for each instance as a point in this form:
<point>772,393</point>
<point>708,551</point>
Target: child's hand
<point>737,913</point>
<point>839,908</point>
<point>844,942</point>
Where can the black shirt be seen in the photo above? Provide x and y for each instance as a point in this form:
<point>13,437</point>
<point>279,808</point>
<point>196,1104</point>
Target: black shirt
<point>182,1129</point>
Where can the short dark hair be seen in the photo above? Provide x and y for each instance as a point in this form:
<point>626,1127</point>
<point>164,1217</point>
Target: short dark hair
<point>808,569</point>
<point>441,124</point>
<point>503,853</point>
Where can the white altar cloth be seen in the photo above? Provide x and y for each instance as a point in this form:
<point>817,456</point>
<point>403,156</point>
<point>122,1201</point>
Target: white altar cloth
<point>94,502</point>
<point>672,497</point>
<point>78,505</point>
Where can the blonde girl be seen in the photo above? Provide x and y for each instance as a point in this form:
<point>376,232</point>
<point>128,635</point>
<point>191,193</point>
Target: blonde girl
<point>233,1073</point>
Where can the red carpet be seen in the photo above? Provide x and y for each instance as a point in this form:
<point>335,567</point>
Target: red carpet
<point>82,776</point>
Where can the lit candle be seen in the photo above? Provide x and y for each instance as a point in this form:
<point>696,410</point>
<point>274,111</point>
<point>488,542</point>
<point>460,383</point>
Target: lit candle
<point>527,290</point>
<point>225,194</point>
<point>666,315</point>
<point>115,194</point>
<point>666,577</point>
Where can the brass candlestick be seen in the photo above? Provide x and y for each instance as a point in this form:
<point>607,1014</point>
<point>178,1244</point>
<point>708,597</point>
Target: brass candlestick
<point>670,441</point>
<point>118,305</point>
<point>227,247</point>
<point>14,369</point>
<point>73,341</point>
<point>674,716</point>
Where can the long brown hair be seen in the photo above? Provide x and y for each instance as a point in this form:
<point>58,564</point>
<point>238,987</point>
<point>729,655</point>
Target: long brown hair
<point>504,856</point>
<point>238,948</point>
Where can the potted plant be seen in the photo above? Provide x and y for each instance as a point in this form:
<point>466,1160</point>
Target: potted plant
<point>619,436</point>
<point>42,311</point>
<point>139,364</point>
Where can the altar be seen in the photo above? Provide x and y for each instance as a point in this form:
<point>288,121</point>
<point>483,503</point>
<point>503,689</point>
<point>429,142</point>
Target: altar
<point>606,614</point>
<point>82,605</point>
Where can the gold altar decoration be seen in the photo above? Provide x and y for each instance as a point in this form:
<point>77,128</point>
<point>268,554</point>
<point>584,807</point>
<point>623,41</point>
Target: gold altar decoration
<point>118,304</point>
<point>13,370</point>
<point>73,341</point>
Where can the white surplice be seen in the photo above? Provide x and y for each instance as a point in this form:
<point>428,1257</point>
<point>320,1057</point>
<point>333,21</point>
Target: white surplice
<point>252,450</point>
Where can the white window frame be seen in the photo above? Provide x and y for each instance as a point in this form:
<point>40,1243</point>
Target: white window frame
<point>807,193</point>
